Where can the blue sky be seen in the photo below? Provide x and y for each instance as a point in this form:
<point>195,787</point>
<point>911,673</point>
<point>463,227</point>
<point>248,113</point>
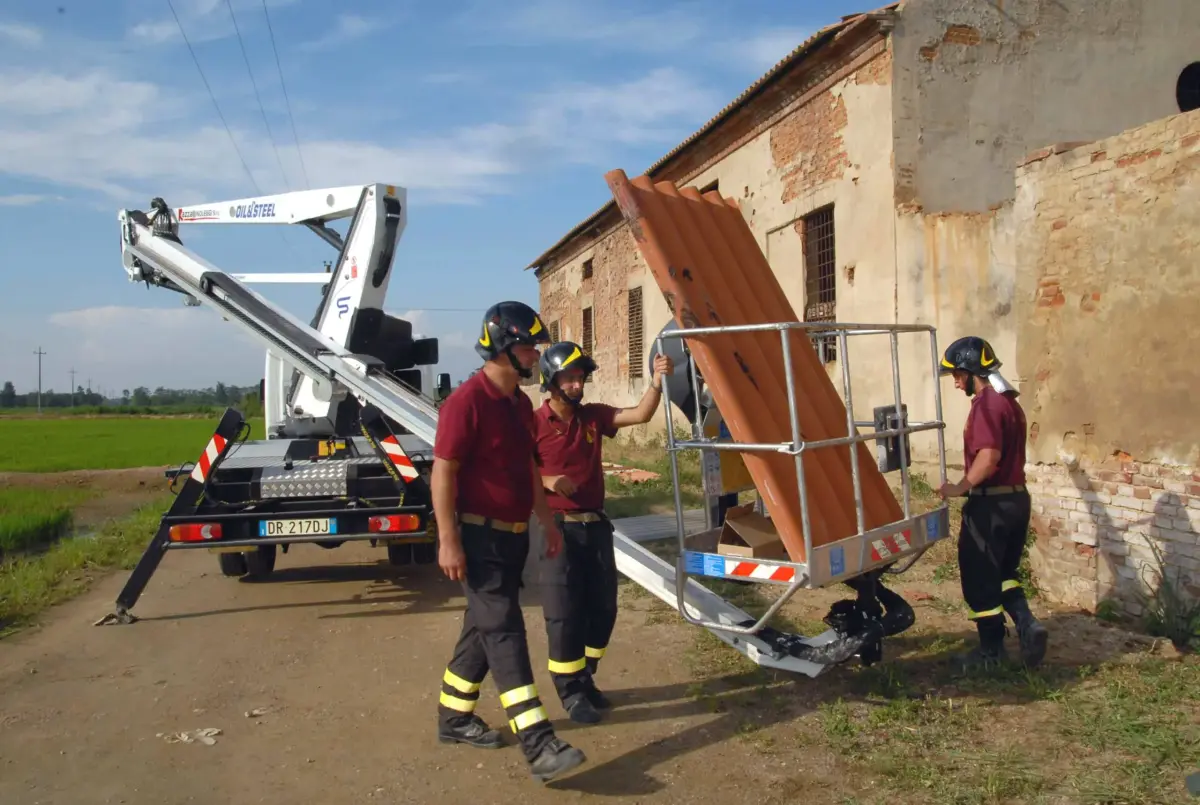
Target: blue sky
<point>499,117</point>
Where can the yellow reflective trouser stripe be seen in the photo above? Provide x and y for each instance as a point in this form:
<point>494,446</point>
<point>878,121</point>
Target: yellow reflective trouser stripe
<point>518,695</point>
<point>527,719</point>
<point>988,613</point>
<point>1010,584</point>
<point>594,653</point>
<point>455,703</point>
<point>458,683</point>
<point>571,667</point>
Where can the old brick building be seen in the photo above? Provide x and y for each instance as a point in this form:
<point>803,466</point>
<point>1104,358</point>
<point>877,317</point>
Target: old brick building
<point>901,166</point>
<point>875,164</point>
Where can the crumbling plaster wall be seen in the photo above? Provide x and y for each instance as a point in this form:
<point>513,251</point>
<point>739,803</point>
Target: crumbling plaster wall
<point>977,86</point>
<point>1108,291</point>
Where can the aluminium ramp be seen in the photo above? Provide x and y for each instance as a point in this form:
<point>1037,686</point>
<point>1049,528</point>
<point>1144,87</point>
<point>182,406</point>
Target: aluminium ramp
<point>767,648</point>
<point>709,266</point>
<point>162,260</point>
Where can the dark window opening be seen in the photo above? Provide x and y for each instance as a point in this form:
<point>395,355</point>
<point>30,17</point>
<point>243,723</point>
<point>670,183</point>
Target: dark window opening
<point>554,332</point>
<point>587,269</point>
<point>1187,88</point>
<point>714,185</point>
<point>820,278</point>
<point>587,331</point>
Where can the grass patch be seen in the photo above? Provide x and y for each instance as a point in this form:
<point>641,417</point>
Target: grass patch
<point>1138,726</point>
<point>104,443</point>
<point>30,584</point>
<point>30,518</point>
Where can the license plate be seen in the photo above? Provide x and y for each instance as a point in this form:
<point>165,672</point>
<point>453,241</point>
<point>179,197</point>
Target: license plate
<point>297,528</point>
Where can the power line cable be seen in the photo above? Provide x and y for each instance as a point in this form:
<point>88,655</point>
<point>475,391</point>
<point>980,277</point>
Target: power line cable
<point>286,100</point>
<point>257,95</point>
<point>216,105</point>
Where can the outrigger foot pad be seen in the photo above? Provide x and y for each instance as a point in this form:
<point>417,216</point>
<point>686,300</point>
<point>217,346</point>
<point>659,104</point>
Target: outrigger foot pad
<point>121,616</point>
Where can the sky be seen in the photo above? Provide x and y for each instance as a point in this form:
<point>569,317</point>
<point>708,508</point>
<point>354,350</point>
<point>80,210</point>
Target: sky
<point>500,119</point>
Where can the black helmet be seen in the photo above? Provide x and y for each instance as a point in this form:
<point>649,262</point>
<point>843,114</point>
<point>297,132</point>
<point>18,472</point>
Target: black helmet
<point>970,354</point>
<point>507,324</point>
<point>563,355</point>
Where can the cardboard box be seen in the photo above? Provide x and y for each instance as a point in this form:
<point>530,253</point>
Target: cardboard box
<point>748,534</point>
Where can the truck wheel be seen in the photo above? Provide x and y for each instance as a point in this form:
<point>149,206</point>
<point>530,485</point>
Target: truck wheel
<point>260,561</point>
<point>401,554</point>
<point>425,553</point>
<point>232,564</point>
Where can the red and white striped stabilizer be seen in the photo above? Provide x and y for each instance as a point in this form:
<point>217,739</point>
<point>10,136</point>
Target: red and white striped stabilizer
<point>891,546</point>
<point>399,458</point>
<point>756,570</point>
<point>209,457</point>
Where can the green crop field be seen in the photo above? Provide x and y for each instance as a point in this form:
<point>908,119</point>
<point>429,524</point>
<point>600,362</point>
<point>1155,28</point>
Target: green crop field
<point>104,443</point>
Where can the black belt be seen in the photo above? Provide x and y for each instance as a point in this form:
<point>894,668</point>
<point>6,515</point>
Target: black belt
<point>996,490</point>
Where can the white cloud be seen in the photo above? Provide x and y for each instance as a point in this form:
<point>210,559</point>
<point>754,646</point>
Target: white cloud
<point>347,28</point>
<point>27,199</point>
<point>587,21</point>
<point>125,346</point>
<point>142,139</point>
<point>203,21</point>
<point>22,35</point>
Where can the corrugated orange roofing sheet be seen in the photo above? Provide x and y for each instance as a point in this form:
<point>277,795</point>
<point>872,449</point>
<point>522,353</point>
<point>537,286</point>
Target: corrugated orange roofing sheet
<point>805,49</point>
<point>709,266</point>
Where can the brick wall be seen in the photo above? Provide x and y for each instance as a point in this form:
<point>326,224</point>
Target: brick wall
<point>1096,528</point>
<point>1107,243</point>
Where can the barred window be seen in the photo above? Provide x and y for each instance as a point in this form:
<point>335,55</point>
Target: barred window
<point>820,278</point>
<point>554,332</point>
<point>636,335</point>
<point>587,331</point>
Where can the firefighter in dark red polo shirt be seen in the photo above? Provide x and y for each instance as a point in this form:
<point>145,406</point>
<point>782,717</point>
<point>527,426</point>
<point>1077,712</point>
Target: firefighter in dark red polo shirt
<point>485,486</point>
<point>579,585</point>
<point>995,517</point>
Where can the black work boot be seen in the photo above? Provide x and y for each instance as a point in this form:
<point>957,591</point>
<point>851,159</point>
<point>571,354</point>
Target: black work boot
<point>1030,631</point>
<point>556,758</point>
<point>581,710</point>
<point>472,731</point>
<point>990,653</point>
<point>597,698</point>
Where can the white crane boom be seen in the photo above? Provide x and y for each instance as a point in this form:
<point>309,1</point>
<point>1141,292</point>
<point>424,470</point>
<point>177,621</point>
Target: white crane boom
<point>334,356</point>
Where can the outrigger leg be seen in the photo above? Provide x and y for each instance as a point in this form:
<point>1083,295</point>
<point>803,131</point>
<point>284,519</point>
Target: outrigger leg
<point>228,431</point>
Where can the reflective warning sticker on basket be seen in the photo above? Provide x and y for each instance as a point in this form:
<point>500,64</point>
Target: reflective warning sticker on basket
<point>890,546</point>
<point>713,564</point>
<point>757,571</point>
<point>704,564</point>
<point>837,561</point>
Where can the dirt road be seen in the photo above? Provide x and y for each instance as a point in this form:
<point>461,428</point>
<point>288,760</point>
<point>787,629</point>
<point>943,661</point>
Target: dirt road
<point>344,655</point>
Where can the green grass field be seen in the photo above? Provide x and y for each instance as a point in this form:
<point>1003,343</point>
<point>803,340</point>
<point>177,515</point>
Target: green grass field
<point>103,443</point>
<point>33,517</point>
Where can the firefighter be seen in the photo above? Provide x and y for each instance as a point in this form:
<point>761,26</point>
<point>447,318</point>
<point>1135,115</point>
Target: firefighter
<point>995,516</point>
<point>579,585</point>
<point>485,485</point>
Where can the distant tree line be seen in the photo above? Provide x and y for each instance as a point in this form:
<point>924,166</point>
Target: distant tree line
<point>245,398</point>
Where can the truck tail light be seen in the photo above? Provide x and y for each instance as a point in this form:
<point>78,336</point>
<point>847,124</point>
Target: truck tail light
<point>392,523</point>
<point>195,532</point>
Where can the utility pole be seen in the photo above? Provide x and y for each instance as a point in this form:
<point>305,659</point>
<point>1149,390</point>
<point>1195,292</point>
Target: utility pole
<point>72,374</point>
<point>39,354</point>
